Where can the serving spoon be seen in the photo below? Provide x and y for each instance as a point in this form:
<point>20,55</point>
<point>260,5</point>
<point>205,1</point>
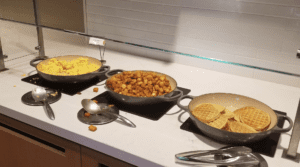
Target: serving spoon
<point>102,108</point>
<point>40,94</point>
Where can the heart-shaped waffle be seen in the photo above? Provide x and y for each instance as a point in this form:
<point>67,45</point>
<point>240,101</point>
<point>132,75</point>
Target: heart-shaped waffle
<point>219,123</point>
<point>206,112</point>
<point>239,127</point>
<point>219,107</point>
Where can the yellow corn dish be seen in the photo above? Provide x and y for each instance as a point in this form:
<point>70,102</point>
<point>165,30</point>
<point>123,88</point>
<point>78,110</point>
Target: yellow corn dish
<point>62,67</point>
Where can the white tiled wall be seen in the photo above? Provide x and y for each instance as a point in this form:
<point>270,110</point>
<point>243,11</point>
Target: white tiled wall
<point>263,33</point>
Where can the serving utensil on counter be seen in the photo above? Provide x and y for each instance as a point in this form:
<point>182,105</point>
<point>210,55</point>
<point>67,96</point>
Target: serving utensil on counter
<point>102,108</point>
<point>228,156</point>
<point>40,94</point>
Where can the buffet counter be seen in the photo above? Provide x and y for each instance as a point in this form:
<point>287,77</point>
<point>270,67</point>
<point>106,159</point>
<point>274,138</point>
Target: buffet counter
<point>151,143</point>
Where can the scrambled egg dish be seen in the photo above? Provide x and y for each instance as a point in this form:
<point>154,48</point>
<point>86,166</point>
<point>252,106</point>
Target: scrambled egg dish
<point>62,67</point>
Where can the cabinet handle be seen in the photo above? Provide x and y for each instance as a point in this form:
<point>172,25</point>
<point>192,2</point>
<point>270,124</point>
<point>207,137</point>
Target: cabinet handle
<point>34,138</point>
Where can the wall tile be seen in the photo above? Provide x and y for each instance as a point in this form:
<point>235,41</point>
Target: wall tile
<point>163,2</point>
<point>291,42</point>
<point>293,25</point>
<point>296,12</point>
<point>261,33</point>
<point>222,5</point>
<point>111,3</point>
<point>156,8</point>
<point>264,9</point>
<point>277,2</point>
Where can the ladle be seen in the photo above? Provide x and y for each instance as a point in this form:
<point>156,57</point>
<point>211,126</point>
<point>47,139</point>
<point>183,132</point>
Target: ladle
<point>102,108</point>
<point>40,94</point>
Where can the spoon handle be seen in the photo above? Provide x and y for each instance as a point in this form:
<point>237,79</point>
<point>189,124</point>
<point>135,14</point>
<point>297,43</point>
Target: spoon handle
<point>127,121</point>
<point>48,110</point>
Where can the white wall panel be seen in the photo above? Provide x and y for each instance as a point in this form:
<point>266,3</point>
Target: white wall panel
<point>276,2</point>
<point>263,33</point>
<point>162,2</point>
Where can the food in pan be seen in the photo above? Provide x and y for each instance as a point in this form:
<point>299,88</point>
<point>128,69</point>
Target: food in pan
<point>228,114</point>
<point>139,84</point>
<point>54,94</point>
<point>220,122</point>
<point>77,66</point>
<point>95,101</point>
<point>86,114</point>
<point>244,120</point>
<point>240,127</point>
<point>111,105</point>
<point>206,113</point>
<point>255,118</point>
<point>95,89</point>
<point>92,128</point>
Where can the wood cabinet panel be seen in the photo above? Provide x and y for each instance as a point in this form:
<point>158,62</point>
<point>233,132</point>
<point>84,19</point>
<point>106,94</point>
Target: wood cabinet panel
<point>92,158</point>
<point>24,146</point>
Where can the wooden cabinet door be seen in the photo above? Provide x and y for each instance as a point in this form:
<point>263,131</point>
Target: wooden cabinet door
<point>22,145</point>
<point>92,158</point>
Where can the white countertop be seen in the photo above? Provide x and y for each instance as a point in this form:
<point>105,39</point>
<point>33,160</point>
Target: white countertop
<point>152,143</point>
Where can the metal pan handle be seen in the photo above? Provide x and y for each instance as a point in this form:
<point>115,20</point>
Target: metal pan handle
<point>108,73</point>
<point>36,59</point>
<point>105,69</point>
<point>184,97</point>
<point>281,130</point>
<point>172,97</point>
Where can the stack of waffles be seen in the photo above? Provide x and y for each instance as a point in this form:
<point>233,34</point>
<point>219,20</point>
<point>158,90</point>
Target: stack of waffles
<point>244,120</point>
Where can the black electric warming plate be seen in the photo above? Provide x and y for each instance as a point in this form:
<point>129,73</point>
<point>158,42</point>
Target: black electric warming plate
<point>66,88</point>
<point>151,111</point>
<point>266,146</point>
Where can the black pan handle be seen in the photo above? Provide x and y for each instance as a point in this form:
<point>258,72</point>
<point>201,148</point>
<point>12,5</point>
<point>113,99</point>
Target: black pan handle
<point>108,73</point>
<point>281,130</point>
<point>36,59</point>
<point>186,108</point>
<point>172,97</point>
<point>103,69</point>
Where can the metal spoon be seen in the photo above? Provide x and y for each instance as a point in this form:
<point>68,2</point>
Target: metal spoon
<point>102,108</point>
<point>40,94</point>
